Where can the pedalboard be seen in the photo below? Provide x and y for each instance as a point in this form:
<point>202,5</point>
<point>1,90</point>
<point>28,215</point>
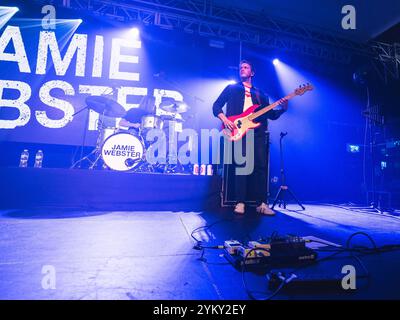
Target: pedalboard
<point>279,250</point>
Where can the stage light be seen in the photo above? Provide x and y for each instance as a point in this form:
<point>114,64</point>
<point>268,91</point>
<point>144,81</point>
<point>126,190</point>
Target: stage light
<point>352,148</point>
<point>275,61</point>
<point>135,32</point>
<point>231,81</point>
<point>80,20</point>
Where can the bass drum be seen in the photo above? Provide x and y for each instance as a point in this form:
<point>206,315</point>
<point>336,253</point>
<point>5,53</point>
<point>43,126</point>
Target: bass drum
<point>122,151</point>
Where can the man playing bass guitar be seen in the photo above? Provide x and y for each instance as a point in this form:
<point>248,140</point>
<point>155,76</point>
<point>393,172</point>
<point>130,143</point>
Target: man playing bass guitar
<point>238,98</point>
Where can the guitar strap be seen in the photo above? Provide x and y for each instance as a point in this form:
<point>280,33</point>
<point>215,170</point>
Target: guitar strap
<point>259,103</point>
<point>258,96</point>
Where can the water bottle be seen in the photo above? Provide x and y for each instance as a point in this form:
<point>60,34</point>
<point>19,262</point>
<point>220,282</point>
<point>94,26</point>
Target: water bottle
<point>38,159</point>
<point>23,162</point>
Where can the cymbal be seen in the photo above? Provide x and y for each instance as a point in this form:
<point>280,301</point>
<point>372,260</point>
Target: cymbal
<point>106,106</point>
<point>174,106</point>
<point>135,115</point>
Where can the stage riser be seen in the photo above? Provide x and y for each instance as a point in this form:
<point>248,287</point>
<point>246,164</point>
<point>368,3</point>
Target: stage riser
<point>106,190</point>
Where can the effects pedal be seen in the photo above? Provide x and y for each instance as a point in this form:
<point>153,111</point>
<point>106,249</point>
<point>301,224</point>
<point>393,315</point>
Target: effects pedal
<point>252,253</point>
<point>231,246</point>
<point>259,244</point>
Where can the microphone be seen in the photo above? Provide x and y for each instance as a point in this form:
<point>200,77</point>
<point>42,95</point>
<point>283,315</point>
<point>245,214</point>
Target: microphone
<point>283,134</point>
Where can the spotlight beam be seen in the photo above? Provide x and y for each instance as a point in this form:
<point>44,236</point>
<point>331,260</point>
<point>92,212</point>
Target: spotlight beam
<point>6,14</point>
<point>34,23</point>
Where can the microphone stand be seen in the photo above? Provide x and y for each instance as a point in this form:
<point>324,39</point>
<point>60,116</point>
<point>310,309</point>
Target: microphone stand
<point>284,188</point>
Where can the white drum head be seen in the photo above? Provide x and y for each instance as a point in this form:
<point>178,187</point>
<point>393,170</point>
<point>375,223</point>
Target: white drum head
<point>122,151</point>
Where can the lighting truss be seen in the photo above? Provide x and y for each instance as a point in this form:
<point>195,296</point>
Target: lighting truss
<point>205,18</point>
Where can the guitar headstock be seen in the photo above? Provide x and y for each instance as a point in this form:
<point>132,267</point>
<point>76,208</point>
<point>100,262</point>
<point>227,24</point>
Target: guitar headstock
<point>303,89</point>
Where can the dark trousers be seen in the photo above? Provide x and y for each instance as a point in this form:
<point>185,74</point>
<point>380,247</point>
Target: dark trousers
<point>253,186</point>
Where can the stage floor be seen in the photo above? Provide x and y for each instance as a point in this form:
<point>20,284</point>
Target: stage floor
<point>150,255</point>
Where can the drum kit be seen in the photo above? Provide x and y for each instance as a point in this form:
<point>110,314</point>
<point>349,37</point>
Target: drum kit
<point>124,149</point>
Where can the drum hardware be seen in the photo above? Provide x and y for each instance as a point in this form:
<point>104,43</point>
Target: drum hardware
<point>103,134</point>
<point>163,122</point>
<point>174,168</point>
<point>105,107</point>
<point>124,150</point>
<point>144,167</point>
<point>177,107</point>
<point>172,125</point>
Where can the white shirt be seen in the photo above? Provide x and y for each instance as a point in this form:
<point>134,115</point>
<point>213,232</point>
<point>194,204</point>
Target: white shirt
<point>247,97</point>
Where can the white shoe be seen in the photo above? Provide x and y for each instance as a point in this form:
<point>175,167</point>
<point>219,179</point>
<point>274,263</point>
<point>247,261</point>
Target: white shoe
<point>239,208</point>
<point>264,209</point>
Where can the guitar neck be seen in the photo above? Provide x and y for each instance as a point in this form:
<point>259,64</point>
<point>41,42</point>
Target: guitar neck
<point>270,107</point>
